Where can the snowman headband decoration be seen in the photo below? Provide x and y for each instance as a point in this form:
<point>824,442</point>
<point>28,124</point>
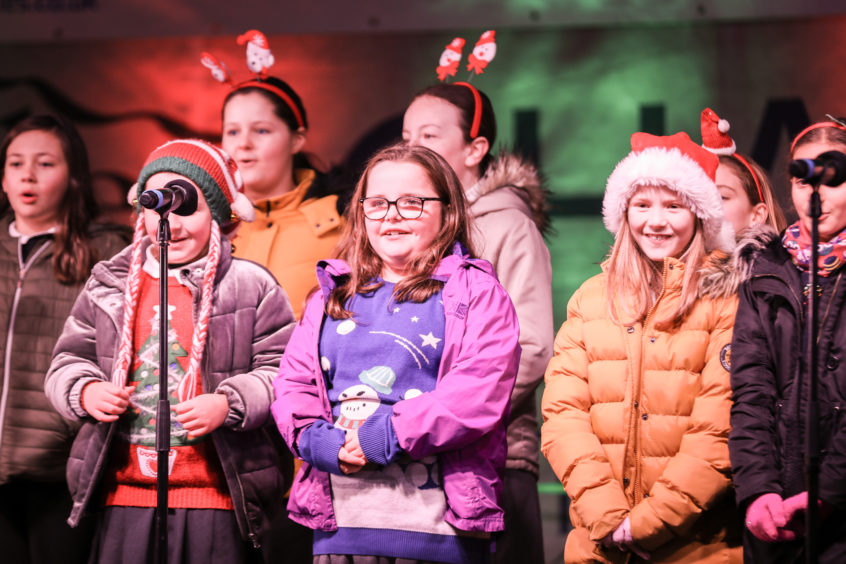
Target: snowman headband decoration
<point>259,60</point>
<point>483,53</point>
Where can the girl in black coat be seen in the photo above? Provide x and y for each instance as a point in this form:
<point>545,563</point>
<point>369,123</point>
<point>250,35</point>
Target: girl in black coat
<point>770,376</point>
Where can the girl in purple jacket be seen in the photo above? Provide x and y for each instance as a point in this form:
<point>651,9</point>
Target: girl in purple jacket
<point>395,385</point>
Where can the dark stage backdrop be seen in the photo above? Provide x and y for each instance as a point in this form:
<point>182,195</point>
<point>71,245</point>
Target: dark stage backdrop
<point>568,97</point>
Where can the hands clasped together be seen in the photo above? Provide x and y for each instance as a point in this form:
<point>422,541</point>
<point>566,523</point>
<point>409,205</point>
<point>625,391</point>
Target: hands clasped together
<point>351,458</point>
<point>621,539</point>
<point>199,415</point>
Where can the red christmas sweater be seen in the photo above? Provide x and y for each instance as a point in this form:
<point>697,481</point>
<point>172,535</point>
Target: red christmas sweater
<point>196,479</point>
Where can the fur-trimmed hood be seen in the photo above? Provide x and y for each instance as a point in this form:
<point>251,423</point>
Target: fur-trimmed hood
<point>723,273</point>
<point>518,185</point>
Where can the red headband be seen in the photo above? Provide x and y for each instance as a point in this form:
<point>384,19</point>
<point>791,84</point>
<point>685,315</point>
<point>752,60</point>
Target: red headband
<point>812,127</point>
<point>748,166</point>
<point>477,109</point>
<point>255,83</point>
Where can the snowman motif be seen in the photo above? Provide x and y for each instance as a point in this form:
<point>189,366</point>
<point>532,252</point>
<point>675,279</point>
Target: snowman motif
<point>483,53</point>
<point>358,402</point>
<point>448,63</point>
<point>218,68</point>
<point>259,57</point>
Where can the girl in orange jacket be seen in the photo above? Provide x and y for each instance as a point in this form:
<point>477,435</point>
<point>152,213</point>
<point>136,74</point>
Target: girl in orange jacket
<point>637,397</point>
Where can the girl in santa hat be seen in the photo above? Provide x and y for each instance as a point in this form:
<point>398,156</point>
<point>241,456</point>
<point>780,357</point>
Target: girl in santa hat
<point>507,199</point>
<point>637,397</point>
<point>770,375</point>
<point>745,188</point>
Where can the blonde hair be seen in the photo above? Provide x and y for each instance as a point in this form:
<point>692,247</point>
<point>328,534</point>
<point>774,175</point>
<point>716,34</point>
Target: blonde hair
<point>634,281</point>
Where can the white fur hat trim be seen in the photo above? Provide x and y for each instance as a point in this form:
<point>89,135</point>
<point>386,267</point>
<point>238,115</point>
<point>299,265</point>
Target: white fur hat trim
<point>670,168</point>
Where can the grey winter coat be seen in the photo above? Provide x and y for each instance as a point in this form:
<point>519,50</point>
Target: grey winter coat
<point>508,206</point>
<point>250,324</point>
<point>34,439</point>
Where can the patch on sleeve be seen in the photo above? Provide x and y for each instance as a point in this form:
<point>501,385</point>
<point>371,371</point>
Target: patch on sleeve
<point>725,357</point>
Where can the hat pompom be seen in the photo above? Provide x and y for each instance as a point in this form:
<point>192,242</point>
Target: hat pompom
<point>715,135</point>
<point>243,208</point>
<point>132,195</point>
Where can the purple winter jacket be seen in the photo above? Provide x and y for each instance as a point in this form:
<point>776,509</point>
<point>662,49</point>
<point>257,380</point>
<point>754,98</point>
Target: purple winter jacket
<point>462,421</point>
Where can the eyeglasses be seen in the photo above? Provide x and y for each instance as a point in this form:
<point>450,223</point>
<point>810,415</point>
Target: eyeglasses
<point>408,207</point>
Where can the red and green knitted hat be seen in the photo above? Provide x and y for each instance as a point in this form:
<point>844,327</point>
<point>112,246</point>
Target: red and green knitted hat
<point>213,171</point>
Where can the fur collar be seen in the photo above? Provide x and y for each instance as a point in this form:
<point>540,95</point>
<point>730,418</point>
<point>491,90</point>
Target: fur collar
<point>509,170</point>
<point>723,273</point>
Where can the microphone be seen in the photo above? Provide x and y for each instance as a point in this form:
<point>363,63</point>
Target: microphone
<point>828,168</point>
<point>178,196</point>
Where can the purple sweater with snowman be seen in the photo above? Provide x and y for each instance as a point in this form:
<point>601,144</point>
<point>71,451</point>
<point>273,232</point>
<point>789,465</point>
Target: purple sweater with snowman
<point>395,506</point>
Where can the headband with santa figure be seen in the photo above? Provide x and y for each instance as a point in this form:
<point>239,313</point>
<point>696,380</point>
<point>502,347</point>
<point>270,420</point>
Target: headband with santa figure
<point>259,60</point>
<point>483,53</point>
<point>716,139</point>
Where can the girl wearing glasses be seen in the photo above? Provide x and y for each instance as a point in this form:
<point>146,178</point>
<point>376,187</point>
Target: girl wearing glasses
<point>395,385</point>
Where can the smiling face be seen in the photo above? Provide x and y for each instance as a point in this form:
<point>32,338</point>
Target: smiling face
<point>661,225</point>
<point>35,180</point>
<point>396,240</point>
<point>832,198</point>
<point>189,234</point>
<point>261,143</point>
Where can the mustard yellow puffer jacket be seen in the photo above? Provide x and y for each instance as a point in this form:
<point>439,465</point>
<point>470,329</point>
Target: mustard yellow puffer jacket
<point>636,424</point>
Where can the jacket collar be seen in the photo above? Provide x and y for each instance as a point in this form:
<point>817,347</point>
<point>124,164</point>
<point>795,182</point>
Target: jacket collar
<point>330,270</point>
<point>115,271</point>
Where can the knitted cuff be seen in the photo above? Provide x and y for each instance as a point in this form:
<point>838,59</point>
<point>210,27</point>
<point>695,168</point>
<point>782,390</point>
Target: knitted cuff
<point>378,439</point>
<point>319,445</point>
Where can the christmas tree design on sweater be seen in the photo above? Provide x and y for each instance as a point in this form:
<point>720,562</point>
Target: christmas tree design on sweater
<point>141,418</point>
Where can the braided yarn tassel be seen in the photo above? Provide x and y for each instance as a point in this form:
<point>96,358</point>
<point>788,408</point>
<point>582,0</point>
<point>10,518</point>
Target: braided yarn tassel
<point>188,385</point>
<point>130,306</point>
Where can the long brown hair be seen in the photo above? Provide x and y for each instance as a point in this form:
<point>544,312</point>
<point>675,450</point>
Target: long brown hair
<point>355,249</point>
<point>74,252</point>
<point>634,281</point>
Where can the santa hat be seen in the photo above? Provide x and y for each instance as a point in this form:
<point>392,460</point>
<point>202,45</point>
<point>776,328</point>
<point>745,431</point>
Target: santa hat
<point>213,171</point>
<point>715,135</point>
<point>487,37</point>
<point>677,163</point>
<point>216,175</point>
<point>456,45</point>
<point>255,37</point>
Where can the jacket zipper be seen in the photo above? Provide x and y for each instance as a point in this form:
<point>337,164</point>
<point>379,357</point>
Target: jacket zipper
<point>24,268</point>
<point>637,485</point>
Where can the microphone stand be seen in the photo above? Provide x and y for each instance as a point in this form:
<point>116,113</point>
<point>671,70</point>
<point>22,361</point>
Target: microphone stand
<point>163,405</point>
<point>812,452</point>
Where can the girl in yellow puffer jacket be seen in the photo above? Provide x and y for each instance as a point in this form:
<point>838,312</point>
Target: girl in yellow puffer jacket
<point>637,398</point>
